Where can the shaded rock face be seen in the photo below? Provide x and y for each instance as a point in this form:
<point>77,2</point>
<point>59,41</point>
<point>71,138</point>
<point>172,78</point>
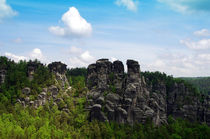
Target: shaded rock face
<point>184,104</point>
<point>31,68</point>
<point>60,70</point>
<point>2,76</point>
<point>119,97</point>
<point>126,98</point>
<point>57,67</point>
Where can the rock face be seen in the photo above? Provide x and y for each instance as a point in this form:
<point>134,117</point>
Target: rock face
<point>126,98</point>
<point>31,67</point>
<point>50,94</point>
<point>2,76</point>
<point>59,69</point>
<point>53,93</point>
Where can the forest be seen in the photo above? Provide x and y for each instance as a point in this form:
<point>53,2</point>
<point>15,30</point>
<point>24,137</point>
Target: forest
<point>49,121</point>
<point>202,83</point>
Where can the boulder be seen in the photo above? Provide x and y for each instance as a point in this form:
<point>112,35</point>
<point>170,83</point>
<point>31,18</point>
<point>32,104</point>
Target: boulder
<point>54,90</point>
<point>26,91</point>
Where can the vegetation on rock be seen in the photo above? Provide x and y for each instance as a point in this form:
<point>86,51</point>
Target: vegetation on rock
<point>48,121</point>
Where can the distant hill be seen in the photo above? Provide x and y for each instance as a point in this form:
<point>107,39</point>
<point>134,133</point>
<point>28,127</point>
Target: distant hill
<point>202,83</point>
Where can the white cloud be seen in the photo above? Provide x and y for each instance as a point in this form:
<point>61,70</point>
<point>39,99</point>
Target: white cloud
<point>86,56</point>
<point>199,45</point>
<point>80,58</point>
<point>204,57</point>
<point>14,57</point>
<point>59,31</point>
<point>113,59</point>
<point>36,54</point>
<point>129,4</point>
<point>6,10</point>
<point>203,32</point>
<point>182,64</point>
<point>74,25</point>
<point>76,62</point>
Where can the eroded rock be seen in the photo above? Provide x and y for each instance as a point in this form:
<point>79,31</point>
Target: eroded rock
<point>128,98</point>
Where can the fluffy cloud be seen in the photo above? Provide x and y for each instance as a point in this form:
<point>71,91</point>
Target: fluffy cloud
<point>199,45</point>
<point>6,10</point>
<point>188,5</point>
<point>182,64</point>
<point>86,56</point>
<point>80,58</point>
<point>14,57</point>
<point>203,32</point>
<point>36,54</point>
<point>129,4</point>
<point>186,64</point>
<point>74,25</point>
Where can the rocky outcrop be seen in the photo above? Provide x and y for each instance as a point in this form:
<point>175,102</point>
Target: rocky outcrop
<point>2,75</point>
<point>59,69</point>
<point>50,94</point>
<point>31,68</point>
<point>120,97</point>
<point>53,93</point>
<point>126,98</point>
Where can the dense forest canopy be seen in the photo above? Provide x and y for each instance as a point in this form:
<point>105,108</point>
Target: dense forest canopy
<point>202,83</point>
<point>153,78</point>
<point>48,121</point>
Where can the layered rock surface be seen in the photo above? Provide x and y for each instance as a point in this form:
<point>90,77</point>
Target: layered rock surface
<point>126,98</point>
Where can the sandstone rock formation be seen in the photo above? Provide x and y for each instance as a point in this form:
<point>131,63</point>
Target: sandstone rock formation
<point>126,98</point>
<point>59,69</point>
<point>47,95</point>
<point>2,75</point>
<point>31,68</point>
<point>51,93</point>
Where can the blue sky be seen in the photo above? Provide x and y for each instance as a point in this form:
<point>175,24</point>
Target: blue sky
<point>171,36</point>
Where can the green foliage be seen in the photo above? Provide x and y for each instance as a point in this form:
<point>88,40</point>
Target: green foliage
<point>77,79</point>
<point>155,78</point>
<point>17,79</point>
<point>202,83</point>
<point>77,72</point>
<point>50,122</point>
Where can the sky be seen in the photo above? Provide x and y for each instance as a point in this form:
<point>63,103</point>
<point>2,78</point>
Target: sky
<point>171,36</point>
